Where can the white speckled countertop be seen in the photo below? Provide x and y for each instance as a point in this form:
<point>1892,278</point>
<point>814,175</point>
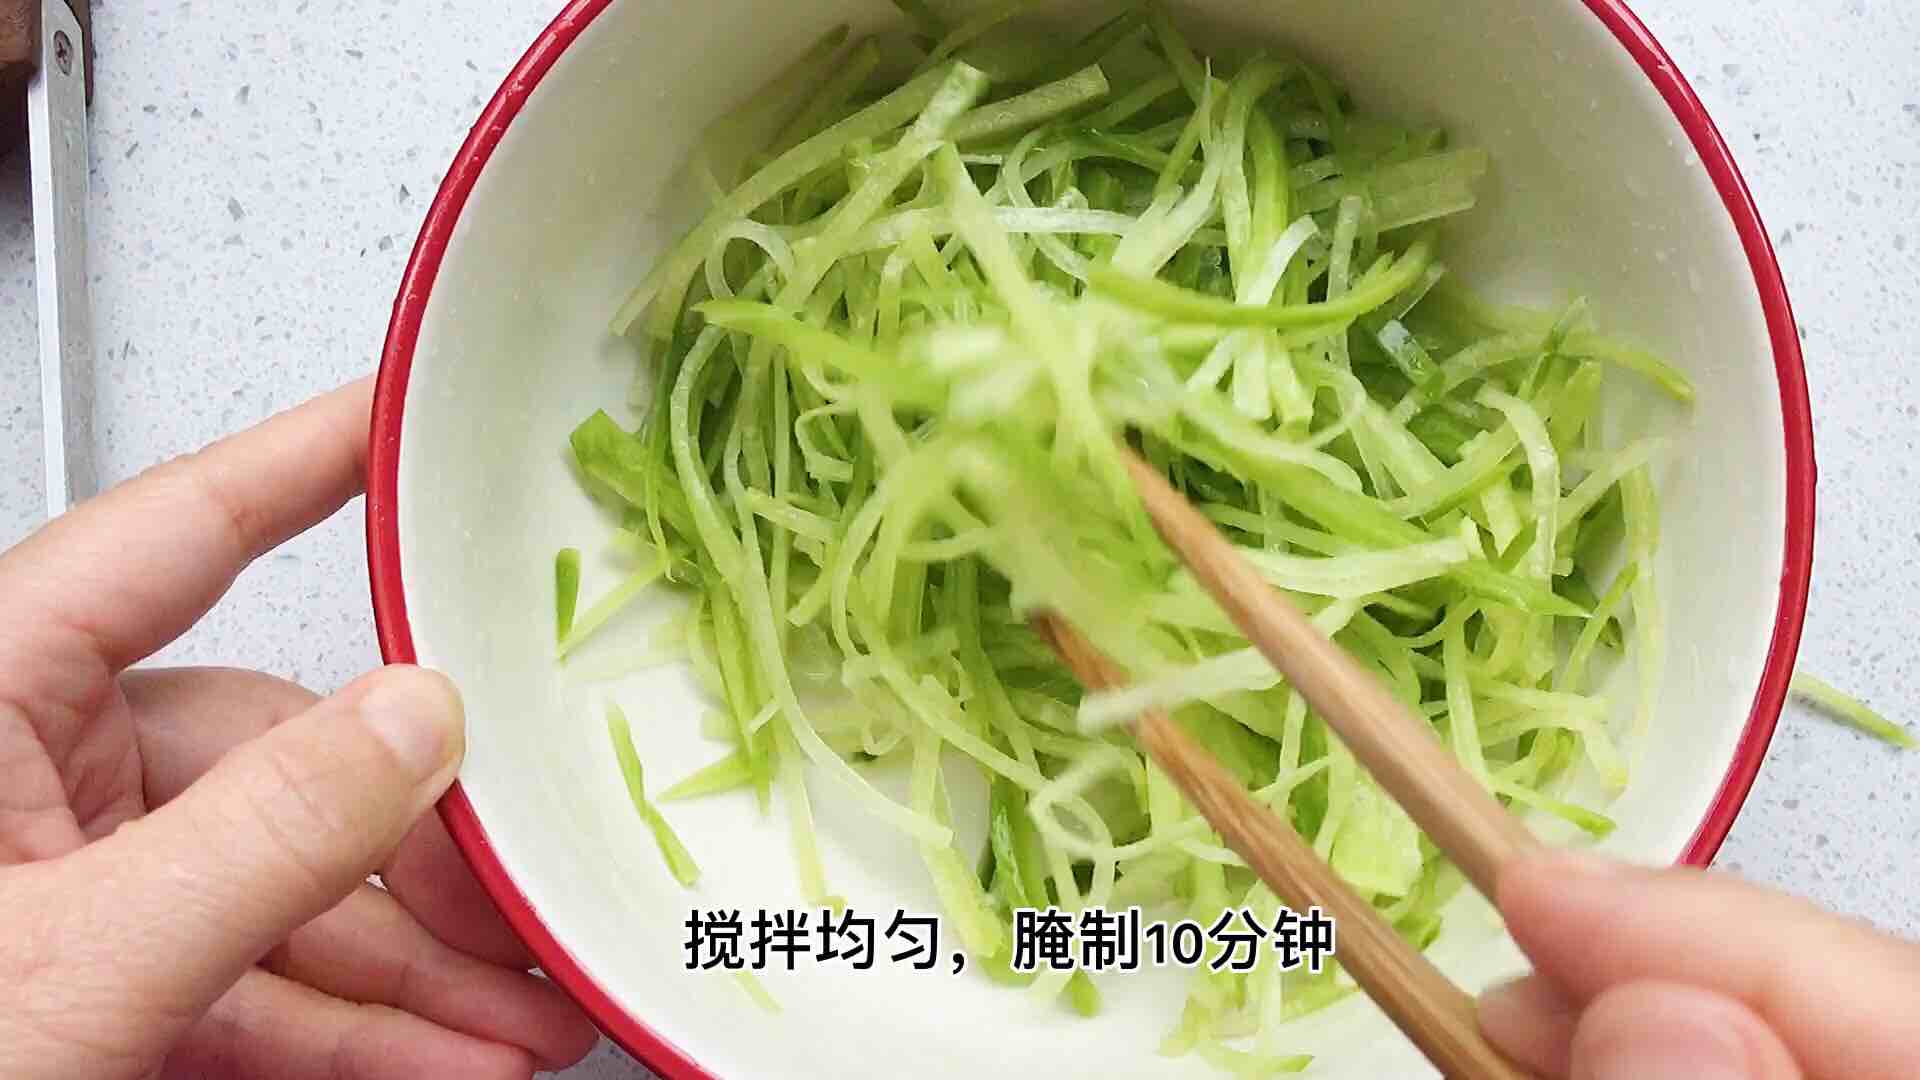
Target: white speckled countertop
<point>260,172</point>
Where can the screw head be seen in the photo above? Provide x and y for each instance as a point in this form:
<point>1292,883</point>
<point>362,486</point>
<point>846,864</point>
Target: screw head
<point>63,52</point>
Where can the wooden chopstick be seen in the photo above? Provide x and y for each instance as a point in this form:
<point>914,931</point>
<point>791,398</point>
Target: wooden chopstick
<point>1437,1016</point>
<point>1396,748</point>
<point>1462,817</point>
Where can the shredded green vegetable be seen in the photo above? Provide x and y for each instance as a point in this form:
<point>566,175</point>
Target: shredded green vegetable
<point>887,380</point>
<point>595,617</point>
<point>1851,711</point>
<point>756,990</point>
<point>678,859</point>
<point>566,592</point>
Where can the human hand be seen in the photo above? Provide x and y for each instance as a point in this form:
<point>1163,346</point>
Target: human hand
<point>1685,975</point>
<point>184,854</point>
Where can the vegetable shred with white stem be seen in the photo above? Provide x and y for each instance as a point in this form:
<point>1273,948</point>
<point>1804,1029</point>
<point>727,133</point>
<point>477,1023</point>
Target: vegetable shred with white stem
<point>944,276</point>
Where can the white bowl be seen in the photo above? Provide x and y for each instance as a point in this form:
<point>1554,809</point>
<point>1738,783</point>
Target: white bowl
<point>1608,179</point>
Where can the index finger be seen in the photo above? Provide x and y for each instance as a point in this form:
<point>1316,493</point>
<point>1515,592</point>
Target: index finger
<point>1838,992</point>
<point>129,571</point>
<point>187,719</point>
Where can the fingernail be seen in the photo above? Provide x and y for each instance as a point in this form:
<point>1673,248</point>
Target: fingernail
<point>418,715</point>
<point>1573,862</point>
<point>1528,996</point>
<point>1681,1050</point>
<point>1531,1021</point>
<point>1503,998</point>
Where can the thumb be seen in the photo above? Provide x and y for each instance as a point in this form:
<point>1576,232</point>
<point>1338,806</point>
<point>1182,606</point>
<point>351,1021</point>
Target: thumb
<point>1668,1031</point>
<point>177,905</point>
<point>1644,1030</point>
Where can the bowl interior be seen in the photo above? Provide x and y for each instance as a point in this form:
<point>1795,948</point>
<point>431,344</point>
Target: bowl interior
<point>1595,189</point>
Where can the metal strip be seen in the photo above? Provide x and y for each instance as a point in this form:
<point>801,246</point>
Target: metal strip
<point>57,137</point>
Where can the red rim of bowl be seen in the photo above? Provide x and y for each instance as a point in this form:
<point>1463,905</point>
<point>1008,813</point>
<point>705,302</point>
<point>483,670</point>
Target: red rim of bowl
<point>383,537</point>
